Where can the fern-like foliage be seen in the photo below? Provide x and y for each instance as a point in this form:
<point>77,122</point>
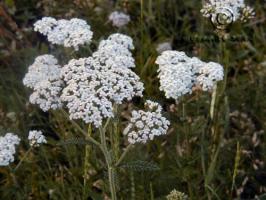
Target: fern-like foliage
<point>75,141</point>
<point>140,165</point>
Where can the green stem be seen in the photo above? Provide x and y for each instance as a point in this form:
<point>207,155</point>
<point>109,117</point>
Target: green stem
<point>116,138</point>
<point>213,101</point>
<point>142,29</point>
<point>25,155</point>
<point>214,126</point>
<point>83,132</point>
<point>123,155</point>
<point>13,176</point>
<point>185,127</point>
<point>202,153</point>
<point>108,159</point>
<point>132,186</point>
<point>151,191</point>
<point>237,160</point>
<point>87,163</point>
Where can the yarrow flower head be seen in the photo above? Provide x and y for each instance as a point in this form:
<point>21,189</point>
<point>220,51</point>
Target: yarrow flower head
<point>165,46</point>
<point>179,73</point>
<point>93,84</point>
<point>82,95</point>
<point>44,78</point>
<point>175,73</point>
<point>70,33</point>
<point>115,51</point>
<point>45,25</point>
<point>145,125</point>
<point>91,89</point>
<point>119,19</point>
<point>209,74</point>
<point>36,138</point>
<point>224,12</point>
<point>8,148</point>
<point>114,54</point>
<point>120,39</point>
<point>176,195</point>
<point>114,59</point>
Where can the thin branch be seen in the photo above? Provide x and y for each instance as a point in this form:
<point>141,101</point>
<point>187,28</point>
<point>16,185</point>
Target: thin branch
<point>89,138</point>
<point>123,155</point>
<point>25,155</point>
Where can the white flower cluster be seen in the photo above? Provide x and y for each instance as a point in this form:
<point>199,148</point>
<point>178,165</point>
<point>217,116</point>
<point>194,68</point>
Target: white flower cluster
<point>120,39</point>
<point>115,52</point>
<point>44,78</point>
<point>8,148</point>
<point>119,19</point>
<point>114,60</point>
<point>95,83</point>
<point>224,12</point>
<point>70,33</point>
<point>36,138</point>
<point>178,73</point>
<point>176,195</point>
<point>209,73</point>
<point>145,125</point>
<point>82,95</point>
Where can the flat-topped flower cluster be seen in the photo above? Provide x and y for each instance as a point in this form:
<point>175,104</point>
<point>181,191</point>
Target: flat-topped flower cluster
<point>70,33</point>
<point>144,125</point>
<point>44,77</point>
<point>93,84</point>
<point>89,86</point>
<point>36,138</point>
<point>119,19</point>
<point>179,73</point>
<point>8,148</point>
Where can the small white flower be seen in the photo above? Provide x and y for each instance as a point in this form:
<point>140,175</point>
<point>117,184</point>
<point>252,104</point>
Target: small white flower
<point>119,19</point>
<point>145,125</point>
<point>176,195</point>
<point>70,33</point>
<point>247,13</point>
<point>36,138</point>
<point>44,78</point>
<point>165,46</point>
<point>8,148</point>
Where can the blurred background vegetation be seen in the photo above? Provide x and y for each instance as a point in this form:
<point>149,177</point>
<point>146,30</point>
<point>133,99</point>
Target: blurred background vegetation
<point>170,162</point>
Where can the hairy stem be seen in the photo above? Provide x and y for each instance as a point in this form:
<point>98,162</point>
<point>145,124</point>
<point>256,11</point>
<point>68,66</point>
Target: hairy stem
<point>87,164</point>
<point>116,135</point>
<point>217,136</point>
<point>25,155</point>
<point>213,101</point>
<point>142,29</point>
<point>108,159</point>
<point>89,138</point>
<point>123,155</point>
<point>132,186</point>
